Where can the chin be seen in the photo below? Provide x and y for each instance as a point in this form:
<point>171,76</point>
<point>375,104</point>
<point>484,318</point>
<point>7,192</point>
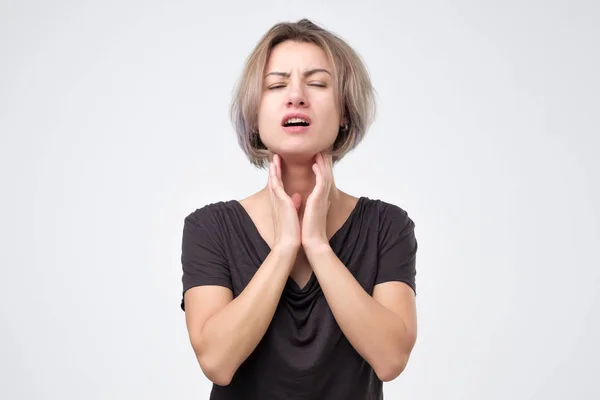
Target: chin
<point>298,154</point>
<point>298,147</point>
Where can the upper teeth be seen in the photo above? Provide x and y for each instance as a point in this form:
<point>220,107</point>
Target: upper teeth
<point>295,120</point>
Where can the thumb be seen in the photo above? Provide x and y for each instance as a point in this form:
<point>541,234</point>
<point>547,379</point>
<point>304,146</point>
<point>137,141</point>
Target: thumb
<point>297,199</point>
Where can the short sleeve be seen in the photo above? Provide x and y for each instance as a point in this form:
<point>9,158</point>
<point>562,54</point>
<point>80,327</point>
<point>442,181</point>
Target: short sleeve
<point>202,256</point>
<point>397,247</point>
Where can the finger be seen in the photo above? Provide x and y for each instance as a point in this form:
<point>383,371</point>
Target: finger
<point>277,175</point>
<point>277,170</point>
<point>322,162</point>
<point>329,169</point>
<point>324,168</point>
<point>297,199</point>
<point>278,186</point>
<point>329,162</point>
<point>318,178</point>
<point>327,159</point>
<point>274,167</point>
<point>278,179</point>
<point>271,174</point>
<point>278,164</point>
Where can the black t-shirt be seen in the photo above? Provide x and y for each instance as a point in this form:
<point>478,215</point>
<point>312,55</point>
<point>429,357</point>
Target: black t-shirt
<point>303,354</point>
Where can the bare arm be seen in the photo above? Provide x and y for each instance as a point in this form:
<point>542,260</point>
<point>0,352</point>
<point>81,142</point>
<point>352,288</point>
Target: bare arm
<point>224,332</point>
<point>382,328</point>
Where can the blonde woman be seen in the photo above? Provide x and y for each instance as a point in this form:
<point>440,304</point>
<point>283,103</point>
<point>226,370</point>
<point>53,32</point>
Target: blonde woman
<point>300,291</point>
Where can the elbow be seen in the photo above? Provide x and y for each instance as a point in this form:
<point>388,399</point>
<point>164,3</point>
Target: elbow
<point>213,366</point>
<point>217,376</point>
<point>396,361</point>
<point>392,368</point>
<point>215,371</point>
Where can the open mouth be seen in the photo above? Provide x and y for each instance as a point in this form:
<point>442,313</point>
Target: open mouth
<point>295,122</point>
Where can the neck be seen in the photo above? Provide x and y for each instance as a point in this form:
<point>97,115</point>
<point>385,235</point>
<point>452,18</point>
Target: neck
<point>300,178</point>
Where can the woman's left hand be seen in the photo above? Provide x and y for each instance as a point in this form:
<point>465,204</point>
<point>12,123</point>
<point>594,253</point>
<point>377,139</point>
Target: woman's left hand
<point>314,222</point>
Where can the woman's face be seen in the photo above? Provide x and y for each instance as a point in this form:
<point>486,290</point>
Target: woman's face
<point>298,114</point>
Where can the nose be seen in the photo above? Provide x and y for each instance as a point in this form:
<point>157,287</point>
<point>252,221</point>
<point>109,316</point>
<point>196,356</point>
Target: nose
<point>297,96</point>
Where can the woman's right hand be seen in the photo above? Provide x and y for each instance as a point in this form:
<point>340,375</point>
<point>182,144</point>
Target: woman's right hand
<point>284,210</point>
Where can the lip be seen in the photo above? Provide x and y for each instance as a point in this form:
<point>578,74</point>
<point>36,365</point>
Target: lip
<point>296,129</point>
<point>296,115</point>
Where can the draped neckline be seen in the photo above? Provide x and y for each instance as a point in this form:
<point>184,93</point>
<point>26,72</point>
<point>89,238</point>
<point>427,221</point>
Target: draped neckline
<point>334,242</point>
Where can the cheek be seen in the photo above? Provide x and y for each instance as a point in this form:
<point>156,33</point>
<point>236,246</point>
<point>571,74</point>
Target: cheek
<point>327,107</point>
<point>266,111</point>
<point>330,117</point>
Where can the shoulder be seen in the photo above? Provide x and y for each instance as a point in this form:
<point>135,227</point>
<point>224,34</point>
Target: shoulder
<point>211,213</point>
<point>207,227</point>
<point>212,222</point>
<point>388,215</point>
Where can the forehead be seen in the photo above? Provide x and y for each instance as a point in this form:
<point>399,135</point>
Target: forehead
<point>288,56</point>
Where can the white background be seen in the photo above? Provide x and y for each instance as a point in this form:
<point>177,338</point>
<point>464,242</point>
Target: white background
<point>114,126</point>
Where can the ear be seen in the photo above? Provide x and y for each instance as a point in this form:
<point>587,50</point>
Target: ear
<point>344,121</point>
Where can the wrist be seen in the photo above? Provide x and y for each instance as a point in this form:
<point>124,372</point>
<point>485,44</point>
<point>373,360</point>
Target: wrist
<point>316,248</point>
<point>286,250</point>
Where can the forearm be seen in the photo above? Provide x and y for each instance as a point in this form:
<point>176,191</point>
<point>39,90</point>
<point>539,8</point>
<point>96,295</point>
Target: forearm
<point>229,336</point>
<point>376,333</point>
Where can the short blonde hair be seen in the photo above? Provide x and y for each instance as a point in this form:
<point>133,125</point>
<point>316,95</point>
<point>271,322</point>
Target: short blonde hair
<point>353,87</point>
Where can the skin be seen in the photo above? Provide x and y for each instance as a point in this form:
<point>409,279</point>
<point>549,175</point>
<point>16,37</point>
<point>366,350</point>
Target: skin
<point>296,213</point>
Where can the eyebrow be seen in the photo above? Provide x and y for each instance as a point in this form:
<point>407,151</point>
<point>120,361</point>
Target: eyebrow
<point>306,74</point>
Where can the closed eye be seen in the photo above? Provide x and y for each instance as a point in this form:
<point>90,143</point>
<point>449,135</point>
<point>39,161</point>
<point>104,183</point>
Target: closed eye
<point>314,84</point>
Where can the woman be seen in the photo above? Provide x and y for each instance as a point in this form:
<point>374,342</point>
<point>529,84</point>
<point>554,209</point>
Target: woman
<point>300,291</point>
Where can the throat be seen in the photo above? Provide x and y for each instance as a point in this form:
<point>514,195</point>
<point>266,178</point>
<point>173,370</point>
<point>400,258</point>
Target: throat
<point>298,179</point>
